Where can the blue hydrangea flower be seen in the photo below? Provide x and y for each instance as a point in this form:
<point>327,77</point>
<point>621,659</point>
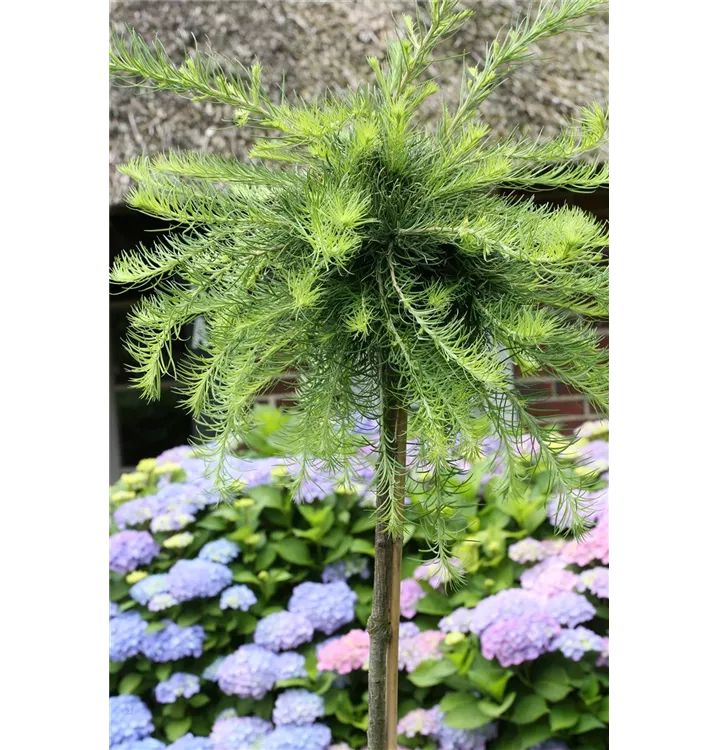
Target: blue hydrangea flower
<point>135,512</point>
<point>238,732</point>
<point>519,639</point>
<point>596,581</point>
<point>421,721</point>
<point>573,643</point>
<point>570,608</point>
<point>289,665</point>
<point>249,672</point>
<point>148,743</point>
<point>145,589</point>
<point>173,520</point>
<point>466,739</point>
<point>503,606</point>
<point>298,706</point>
<point>219,551</point>
<point>179,685</point>
<point>130,719</point>
<point>327,606</point>
<point>191,579</point>
<point>127,631</point>
<point>210,673</point>
<point>343,570</point>
<point>408,629</point>
<point>459,621</point>
<point>130,549</point>
<point>237,597</point>
<point>299,737</point>
<point>190,742</point>
<point>283,630</point>
<point>160,602</point>
<point>173,642</point>
<point>114,610</point>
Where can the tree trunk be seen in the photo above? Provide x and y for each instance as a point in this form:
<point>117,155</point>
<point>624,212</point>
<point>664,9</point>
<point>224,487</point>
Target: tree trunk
<point>384,621</point>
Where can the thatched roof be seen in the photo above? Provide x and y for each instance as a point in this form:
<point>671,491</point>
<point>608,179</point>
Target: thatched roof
<point>325,44</point>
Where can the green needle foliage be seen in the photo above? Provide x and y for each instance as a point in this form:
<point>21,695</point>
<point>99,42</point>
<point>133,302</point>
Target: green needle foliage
<point>385,262</point>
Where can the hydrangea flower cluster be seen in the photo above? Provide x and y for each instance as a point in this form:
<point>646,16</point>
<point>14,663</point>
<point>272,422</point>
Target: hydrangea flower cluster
<point>343,570</point>
<point>297,706</point>
<point>160,602</point>
<point>593,547</point>
<point>549,578</point>
<point>237,597</point>
<point>327,606</point>
<point>130,720</point>
<point>127,631</point>
<point>148,743</point>
<point>289,665</point>
<point>345,654</point>
<point>250,672</point>
<point>411,594</point>
<point>114,610</point>
<point>173,642</point>
<point>421,721</point>
<point>179,685</point>
<point>519,639</point>
<point>298,737</point>
<point>145,589</point>
<point>415,649</point>
<point>130,549</point>
<point>533,550</point>
<point>236,732</point>
<point>573,643</point>
<point>596,581</point>
<point>570,608</point>
<point>430,723</point>
<point>281,631</point>
<point>190,742</point>
<point>219,551</point>
<point>191,579</point>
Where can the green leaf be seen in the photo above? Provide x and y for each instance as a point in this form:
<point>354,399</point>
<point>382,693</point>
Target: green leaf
<point>294,551</point>
<point>339,551</point>
<point>602,711</point>
<point>456,700</point>
<point>189,618</point>
<point>586,723</point>
<point>163,671</point>
<point>265,558</point>
<point>432,672</point>
<point>362,547</point>
<point>176,729</point>
<point>552,682</point>
<point>466,716</point>
<point>528,709</point>
<point>129,683</point>
<point>489,677</point>
<point>154,627</point>
<point>199,700</point>
<point>212,523</point>
<point>365,523</point>
<point>434,604</point>
<point>563,716</point>
<point>245,576</point>
<point>493,710</point>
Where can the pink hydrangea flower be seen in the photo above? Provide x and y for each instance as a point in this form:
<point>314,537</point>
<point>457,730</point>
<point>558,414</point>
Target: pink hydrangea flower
<point>549,578</point>
<point>410,595</point>
<point>415,649</point>
<point>344,654</point>
<point>593,547</point>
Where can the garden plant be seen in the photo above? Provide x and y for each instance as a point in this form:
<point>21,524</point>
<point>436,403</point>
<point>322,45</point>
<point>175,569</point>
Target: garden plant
<point>398,269</point>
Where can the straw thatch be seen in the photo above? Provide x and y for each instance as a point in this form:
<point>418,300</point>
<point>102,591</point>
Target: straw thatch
<point>325,44</point>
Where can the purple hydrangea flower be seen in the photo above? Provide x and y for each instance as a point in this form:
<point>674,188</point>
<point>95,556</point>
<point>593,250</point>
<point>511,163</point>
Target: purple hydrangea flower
<point>179,685</point>
<point>127,631</point>
<point>459,621</point>
<point>299,737</point>
<point>148,743</point>
<point>191,579</point>
<point>289,665</point>
<point>327,606</point>
<point>519,639</point>
<point>504,605</point>
<point>569,608</point>
<point>219,551</point>
<point>283,630</point>
<point>421,721</point>
<point>602,660</point>
<point>249,672</point>
<point>175,455</point>
<point>297,706</point>
<point>238,732</point>
<point>210,673</point>
<point>573,643</point>
<point>549,577</point>
<point>130,719</point>
<point>130,549</point>
<point>190,742</point>
<point>173,642</point>
<point>408,629</point>
<point>410,595</point>
<point>596,581</point>
<point>114,610</point>
<point>415,649</point>
<point>237,597</point>
<point>135,512</point>
<point>466,739</point>
<point>145,589</point>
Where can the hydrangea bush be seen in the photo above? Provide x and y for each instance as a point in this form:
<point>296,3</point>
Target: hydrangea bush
<point>249,633</point>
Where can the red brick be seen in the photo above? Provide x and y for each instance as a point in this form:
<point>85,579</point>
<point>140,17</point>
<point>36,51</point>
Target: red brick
<point>566,390</point>
<point>559,407</point>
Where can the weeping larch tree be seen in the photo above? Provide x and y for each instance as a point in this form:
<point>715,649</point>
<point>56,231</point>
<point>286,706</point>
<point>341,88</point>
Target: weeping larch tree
<point>396,267</point>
